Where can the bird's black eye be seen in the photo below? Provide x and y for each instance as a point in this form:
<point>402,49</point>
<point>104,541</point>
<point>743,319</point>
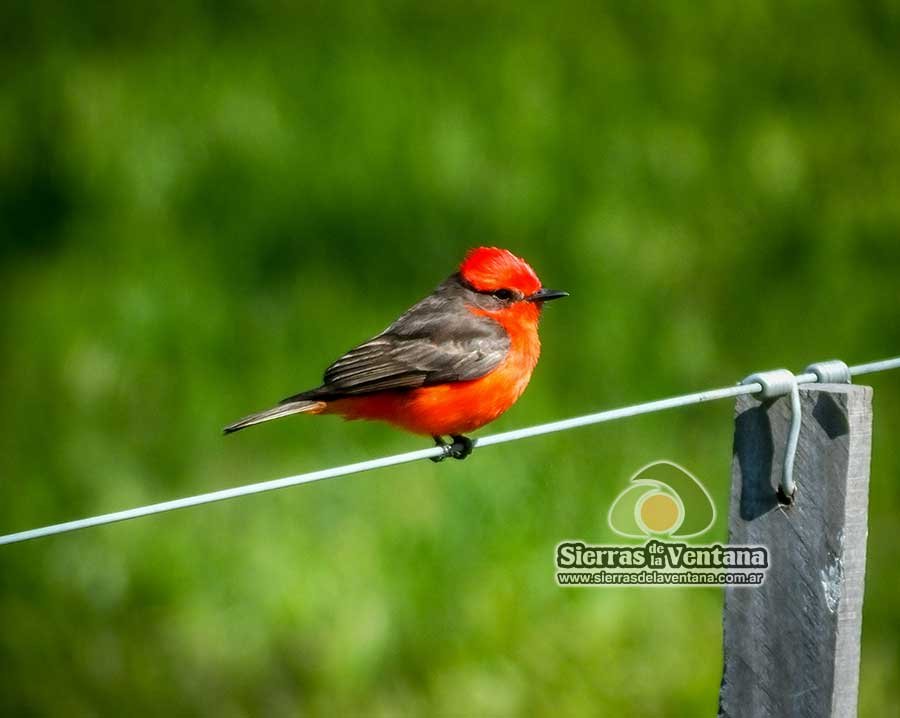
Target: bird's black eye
<point>504,294</point>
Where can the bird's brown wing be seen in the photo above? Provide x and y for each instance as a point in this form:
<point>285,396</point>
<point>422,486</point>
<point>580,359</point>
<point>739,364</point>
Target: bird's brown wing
<point>437,341</point>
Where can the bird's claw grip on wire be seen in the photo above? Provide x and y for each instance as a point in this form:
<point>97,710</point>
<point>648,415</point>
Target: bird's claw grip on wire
<point>460,448</point>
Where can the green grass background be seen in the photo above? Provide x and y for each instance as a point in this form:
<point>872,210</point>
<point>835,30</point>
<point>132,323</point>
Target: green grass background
<point>204,203</point>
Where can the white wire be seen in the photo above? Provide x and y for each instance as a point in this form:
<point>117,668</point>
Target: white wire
<point>874,366</point>
<point>515,435</point>
<point>790,449</point>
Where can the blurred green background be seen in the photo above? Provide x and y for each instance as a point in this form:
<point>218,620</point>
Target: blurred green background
<point>203,204</point>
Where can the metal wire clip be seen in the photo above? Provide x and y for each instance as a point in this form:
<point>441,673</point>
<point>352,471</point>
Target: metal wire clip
<point>780,382</point>
<point>775,383</point>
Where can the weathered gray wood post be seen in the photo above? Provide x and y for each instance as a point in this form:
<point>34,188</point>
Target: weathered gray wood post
<point>791,646</point>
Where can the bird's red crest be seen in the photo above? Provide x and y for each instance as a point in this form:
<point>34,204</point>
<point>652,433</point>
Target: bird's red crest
<point>491,268</point>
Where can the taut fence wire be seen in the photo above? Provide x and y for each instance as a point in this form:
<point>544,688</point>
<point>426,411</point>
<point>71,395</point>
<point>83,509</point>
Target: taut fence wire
<point>751,387</point>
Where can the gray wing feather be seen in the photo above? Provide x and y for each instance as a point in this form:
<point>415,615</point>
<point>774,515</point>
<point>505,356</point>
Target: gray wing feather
<point>436,341</point>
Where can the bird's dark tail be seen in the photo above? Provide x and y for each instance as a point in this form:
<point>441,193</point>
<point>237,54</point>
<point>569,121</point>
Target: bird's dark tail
<point>300,406</point>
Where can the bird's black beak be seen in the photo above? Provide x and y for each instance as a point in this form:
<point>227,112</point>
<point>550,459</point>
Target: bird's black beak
<point>545,295</point>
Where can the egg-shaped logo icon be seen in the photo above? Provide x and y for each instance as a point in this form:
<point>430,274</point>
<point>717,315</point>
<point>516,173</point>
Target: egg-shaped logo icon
<point>662,499</point>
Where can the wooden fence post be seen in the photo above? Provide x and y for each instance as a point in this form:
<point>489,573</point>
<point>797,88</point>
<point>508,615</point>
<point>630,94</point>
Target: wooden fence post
<point>791,646</point>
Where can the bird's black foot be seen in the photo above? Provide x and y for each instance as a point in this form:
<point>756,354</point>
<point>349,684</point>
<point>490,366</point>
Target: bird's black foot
<point>460,448</point>
<point>438,441</point>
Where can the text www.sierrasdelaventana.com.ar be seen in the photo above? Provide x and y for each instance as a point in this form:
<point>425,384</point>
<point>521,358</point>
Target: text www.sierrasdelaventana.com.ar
<point>658,563</point>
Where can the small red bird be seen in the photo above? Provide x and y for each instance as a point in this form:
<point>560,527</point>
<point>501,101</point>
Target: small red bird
<point>449,365</point>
